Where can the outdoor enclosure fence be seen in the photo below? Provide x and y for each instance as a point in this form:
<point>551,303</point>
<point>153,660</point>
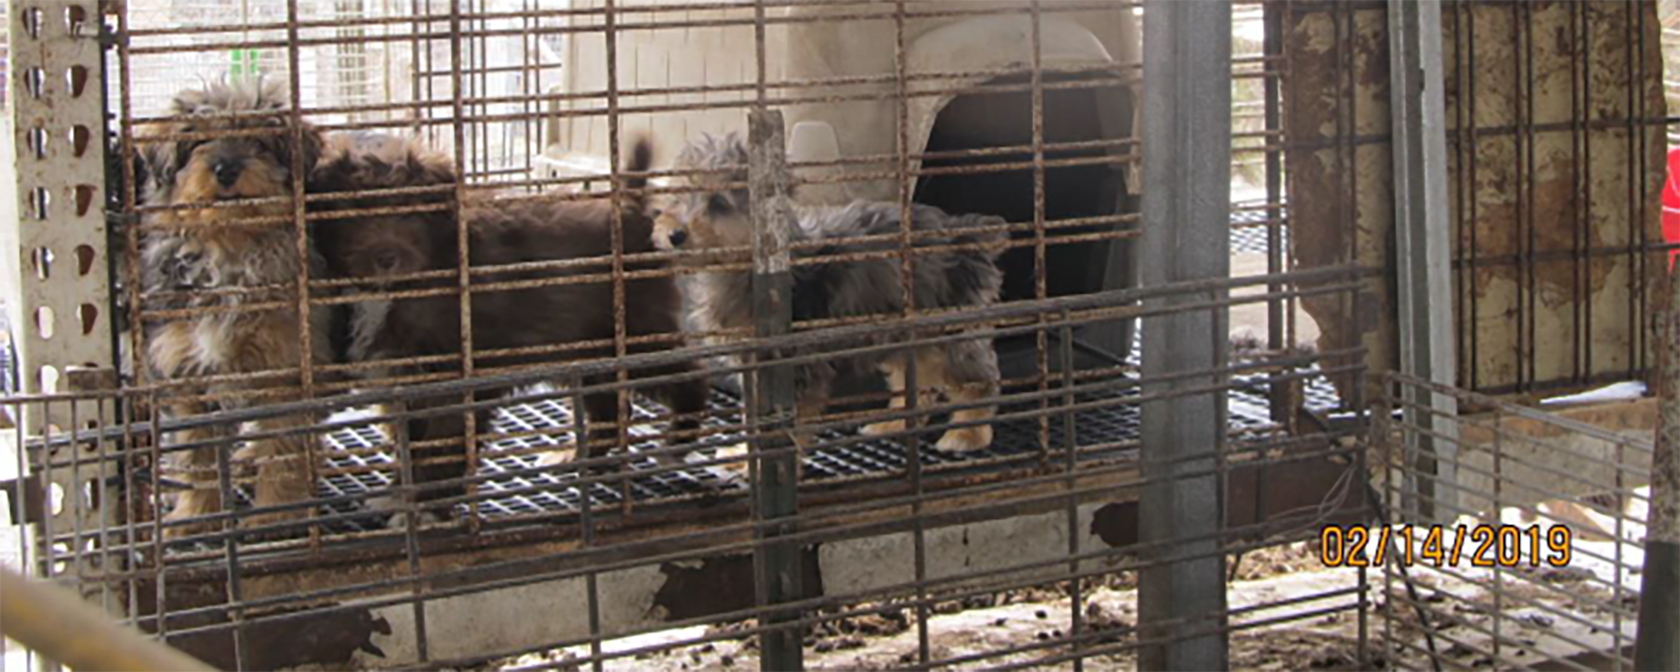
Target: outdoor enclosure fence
<point>556,539</point>
<point>1533,592</point>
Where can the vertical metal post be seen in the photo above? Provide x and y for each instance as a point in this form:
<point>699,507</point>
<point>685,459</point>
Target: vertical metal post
<point>53,250</point>
<point>54,240</point>
<point>1657,643</point>
<point>1186,236</point>
<point>1271,16</point>
<point>775,486</point>
<point>1423,245</point>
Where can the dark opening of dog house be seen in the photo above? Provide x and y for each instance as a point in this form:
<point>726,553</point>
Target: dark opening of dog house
<point>1090,120</point>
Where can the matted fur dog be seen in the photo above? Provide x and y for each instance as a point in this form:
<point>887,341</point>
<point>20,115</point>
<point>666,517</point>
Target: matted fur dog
<point>501,232</point>
<point>717,216</point>
<point>188,254</point>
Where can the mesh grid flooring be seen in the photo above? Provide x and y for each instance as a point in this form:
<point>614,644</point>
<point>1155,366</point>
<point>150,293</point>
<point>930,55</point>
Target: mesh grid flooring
<point>515,489</point>
<point>1248,232</point>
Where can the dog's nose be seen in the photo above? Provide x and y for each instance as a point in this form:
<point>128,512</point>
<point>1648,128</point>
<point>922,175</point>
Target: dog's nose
<point>385,261</point>
<point>677,237</point>
<point>227,173</point>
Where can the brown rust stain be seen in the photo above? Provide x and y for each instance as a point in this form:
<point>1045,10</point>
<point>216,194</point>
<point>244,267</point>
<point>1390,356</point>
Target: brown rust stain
<point>1340,207</point>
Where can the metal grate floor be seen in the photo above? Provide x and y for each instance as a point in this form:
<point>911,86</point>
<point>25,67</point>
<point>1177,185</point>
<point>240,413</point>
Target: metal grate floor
<point>1248,235</point>
<point>552,491</point>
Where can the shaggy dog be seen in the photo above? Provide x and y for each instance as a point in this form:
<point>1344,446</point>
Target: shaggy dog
<point>717,216</point>
<point>190,257</point>
<point>386,248</point>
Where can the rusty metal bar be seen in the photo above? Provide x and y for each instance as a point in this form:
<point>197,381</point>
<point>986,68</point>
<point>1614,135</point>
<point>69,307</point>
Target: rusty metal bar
<point>773,404</point>
<point>1422,226</point>
<point>1186,213</point>
<point>64,629</point>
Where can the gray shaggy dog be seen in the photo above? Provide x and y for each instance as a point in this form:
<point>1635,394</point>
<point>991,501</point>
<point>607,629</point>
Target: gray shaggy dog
<point>718,218</point>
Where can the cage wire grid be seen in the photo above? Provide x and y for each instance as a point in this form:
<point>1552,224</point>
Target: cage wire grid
<point>1564,597</point>
<point>494,139</point>
<point>323,91</point>
<point>387,81</point>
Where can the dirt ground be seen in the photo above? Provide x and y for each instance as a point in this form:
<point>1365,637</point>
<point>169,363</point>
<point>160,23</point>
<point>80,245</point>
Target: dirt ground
<point>889,638</point>
<point>1285,612</point>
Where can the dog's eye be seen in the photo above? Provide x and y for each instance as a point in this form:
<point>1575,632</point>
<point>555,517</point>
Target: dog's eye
<point>719,204</point>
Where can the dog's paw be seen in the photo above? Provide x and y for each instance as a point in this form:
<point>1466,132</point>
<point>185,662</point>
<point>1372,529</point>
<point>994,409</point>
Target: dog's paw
<point>250,452</point>
<point>554,458</point>
<point>423,519</point>
<point>883,428</point>
<point>392,509</point>
<point>191,515</point>
<point>965,439</point>
<point>738,465</point>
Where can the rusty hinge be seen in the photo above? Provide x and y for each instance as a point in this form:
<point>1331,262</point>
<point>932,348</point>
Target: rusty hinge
<point>28,506</point>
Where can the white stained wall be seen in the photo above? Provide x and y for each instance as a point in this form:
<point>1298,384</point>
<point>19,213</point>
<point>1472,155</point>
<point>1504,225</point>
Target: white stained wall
<point>661,59</point>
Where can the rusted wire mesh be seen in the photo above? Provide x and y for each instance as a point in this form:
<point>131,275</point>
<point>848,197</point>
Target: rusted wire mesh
<point>1541,523</point>
<point>548,527</point>
<point>553,558</point>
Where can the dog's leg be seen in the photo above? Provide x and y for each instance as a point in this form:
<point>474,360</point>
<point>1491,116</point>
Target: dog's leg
<point>812,404</point>
<point>600,413</point>
<point>967,370</point>
<point>688,401</point>
<point>283,472</point>
<point>897,381</point>
<point>973,437</point>
<point>198,469</point>
<point>438,452</point>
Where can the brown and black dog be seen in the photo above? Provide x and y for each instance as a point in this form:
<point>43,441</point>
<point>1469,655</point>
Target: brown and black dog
<point>501,232</point>
<point>211,249</point>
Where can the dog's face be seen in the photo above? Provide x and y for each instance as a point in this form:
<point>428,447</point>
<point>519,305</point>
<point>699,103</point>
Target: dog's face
<point>719,214</point>
<point>245,149</point>
<point>703,221</point>
<point>378,246</point>
<point>382,245</point>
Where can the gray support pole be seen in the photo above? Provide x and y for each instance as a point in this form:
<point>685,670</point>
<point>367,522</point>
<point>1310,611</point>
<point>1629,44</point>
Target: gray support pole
<point>1657,643</point>
<point>775,485</point>
<point>1186,236</point>
<point>1423,231</point>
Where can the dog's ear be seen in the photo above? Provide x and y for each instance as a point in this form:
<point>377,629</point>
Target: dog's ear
<point>140,175</point>
<point>190,101</point>
<point>313,146</point>
<point>430,168</point>
<point>273,93</point>
<point>159,161</point>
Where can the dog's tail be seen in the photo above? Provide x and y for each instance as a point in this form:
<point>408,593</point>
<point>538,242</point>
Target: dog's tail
<point>641,160</point>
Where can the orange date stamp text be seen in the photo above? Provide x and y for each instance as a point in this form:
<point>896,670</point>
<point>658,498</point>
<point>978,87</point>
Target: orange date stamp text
<point>1441,546</point>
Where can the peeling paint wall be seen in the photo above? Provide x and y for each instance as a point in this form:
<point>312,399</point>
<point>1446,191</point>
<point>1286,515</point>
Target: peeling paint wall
<point>1555,130</point>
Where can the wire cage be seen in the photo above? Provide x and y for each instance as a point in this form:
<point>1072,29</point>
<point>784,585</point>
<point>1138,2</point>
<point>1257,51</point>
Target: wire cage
<point>530,481</point>
<point>1555,554</point>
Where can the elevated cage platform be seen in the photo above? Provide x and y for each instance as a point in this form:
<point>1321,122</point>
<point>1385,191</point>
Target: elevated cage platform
<point>1184,339</point>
